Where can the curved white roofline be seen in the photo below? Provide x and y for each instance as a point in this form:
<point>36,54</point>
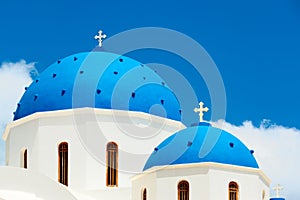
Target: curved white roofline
<point>97,111</point>
<point>210,165</point>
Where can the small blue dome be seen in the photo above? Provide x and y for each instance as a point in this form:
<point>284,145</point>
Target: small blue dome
<point>99,80</point>
<point>201,144</point>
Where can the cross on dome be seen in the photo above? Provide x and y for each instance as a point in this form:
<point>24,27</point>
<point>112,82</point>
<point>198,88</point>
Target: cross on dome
<point>277,189</point>
<point>201,111</point>
<point>99,37</point>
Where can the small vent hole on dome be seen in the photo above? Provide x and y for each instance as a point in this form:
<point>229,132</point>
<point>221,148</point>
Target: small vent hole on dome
<point>121,60</point>
<point>115,72</point>
<point>189,143</point>
<point>14,113</point>
<point>180,112</point>
<point>36,80</point>
<point>63,92</point>
<point>98,91</point>
<point>26,88</point>
<point>162,101</point>
<point>133,94</point>
<point>53,75</point>
<point>252,151</point>
<point>144,78</point>
<point>81,72</point>
<point>75,58</point>
<point>163,83</point>
<point>58,61</point>
<point>231,144</point>
<point>35,97</point>
<point>155,149</point>
<point>19,104</point>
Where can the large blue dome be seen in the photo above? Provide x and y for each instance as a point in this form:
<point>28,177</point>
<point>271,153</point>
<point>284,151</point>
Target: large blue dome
<point>99,80</point>
<point>201,144</point>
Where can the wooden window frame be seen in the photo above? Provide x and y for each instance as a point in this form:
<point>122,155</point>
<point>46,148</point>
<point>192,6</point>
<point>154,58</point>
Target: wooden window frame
<point>144,194</point>
<point>233,191</point>
<point>63,163</point>
<point>24,158</point>
<point>112,164</point>
<point>183,190</point>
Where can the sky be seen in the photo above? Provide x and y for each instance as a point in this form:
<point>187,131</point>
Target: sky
<point>254,44</point>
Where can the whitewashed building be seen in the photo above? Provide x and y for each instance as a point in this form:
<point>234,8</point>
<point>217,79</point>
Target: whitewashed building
<point>103,126</point>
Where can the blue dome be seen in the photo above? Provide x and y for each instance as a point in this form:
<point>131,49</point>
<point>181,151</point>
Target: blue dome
<point>201,144</point>
<point>99,80</point>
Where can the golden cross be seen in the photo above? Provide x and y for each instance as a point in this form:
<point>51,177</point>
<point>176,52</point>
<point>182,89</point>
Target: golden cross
<point>201,111</point>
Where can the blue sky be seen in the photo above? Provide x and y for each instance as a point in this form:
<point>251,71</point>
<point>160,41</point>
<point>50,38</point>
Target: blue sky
<point>255,44</point>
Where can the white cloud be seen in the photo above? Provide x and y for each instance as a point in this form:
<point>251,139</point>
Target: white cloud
<point>277,151</point>
<point>13,78</point>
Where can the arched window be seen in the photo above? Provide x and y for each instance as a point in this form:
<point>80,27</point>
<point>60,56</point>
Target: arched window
<point>144,194</point>
<point>233,191</point>
<point>263,195</point>
<point>112,164</point>
<point>24,158</point>
<point>183,190</point>
<point>63,163</point>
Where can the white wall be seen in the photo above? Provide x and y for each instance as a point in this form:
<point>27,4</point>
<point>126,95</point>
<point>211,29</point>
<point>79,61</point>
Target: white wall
<point>206,181</point>
<point>41,134</point>
<point>20,139</point>
<point>249,182</point>
<point>148,182</point>
<point>17,183</point>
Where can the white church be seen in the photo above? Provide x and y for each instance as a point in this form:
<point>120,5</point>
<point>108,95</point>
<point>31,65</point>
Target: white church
<point>102,126</point>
